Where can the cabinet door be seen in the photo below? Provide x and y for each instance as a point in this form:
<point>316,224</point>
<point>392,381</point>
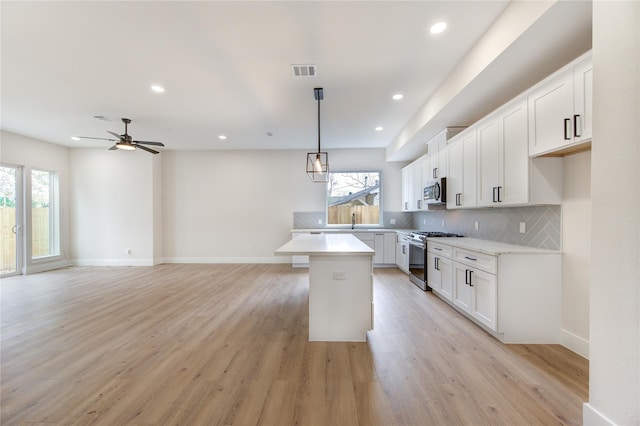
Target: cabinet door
<point>489,174</point>
<point>442,158</point>
<point>446,278</point>
<point>378,246</point>
<point>454,179</point>
<point>468,197</point>
<point>515,156</point>
<point>418,186</point>
<point>550,115</point>
<point>484,301</point>
<point>407,178</point>
<point>389,256</point>
<point>433,274</point>
<point>462,291</point>
<point>583,102</point>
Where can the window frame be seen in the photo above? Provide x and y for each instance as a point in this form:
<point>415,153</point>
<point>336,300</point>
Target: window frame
<point>54,217</point>
<point>380,223</point>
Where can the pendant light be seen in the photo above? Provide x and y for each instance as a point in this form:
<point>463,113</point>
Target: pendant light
<point>318,162</point>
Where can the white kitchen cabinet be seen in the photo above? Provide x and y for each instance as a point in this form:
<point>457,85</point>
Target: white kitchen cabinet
<point>560,109</point>
<point>412,188</point>
<point>389,256</point>
<point>514,292</point>
<point>439,275</point>
<point>378,258</point>
<point>461,179</point>
<point>489,176</point>
<point>402,252</point>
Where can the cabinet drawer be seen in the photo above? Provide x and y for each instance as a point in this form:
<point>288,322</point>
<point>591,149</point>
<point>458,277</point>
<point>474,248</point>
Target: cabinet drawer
<point>481,261</point>
<point>439,249</point>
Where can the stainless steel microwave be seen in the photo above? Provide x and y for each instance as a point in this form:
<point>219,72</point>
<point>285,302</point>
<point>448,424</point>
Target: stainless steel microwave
<point>436,191</point>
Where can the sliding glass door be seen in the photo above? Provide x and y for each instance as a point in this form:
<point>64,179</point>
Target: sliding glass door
<point>11,253</point>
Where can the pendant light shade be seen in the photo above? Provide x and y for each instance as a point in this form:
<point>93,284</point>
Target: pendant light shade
<point>318,162</point>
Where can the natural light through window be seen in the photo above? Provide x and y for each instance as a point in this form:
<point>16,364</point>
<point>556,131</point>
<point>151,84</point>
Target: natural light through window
<point>353,198</point>
<point>43,214</point>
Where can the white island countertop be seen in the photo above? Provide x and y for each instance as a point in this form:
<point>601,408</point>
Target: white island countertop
<point>325,244</point>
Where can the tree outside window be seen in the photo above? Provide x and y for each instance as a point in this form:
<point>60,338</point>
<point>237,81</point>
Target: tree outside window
<point>354,196</point>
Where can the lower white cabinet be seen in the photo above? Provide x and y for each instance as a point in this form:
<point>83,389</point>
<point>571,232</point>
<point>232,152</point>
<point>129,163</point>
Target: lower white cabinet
<point>402,252</point>
<point>440,270</point>
<point>476,292</point>
<point>513,292</point>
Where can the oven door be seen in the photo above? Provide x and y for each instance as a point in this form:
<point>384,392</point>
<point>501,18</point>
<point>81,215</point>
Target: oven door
<point>417,261</point>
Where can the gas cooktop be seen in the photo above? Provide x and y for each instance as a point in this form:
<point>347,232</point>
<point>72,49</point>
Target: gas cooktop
<point>423,235</point>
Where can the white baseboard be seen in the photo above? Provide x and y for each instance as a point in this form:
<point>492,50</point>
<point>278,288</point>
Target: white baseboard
<point>593,417</point>
<point>575,343</point>
<point>113,262</point>
<point>274,259</point>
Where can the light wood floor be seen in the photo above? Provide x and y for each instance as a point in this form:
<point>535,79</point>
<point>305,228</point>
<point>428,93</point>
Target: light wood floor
<point>227,344</point>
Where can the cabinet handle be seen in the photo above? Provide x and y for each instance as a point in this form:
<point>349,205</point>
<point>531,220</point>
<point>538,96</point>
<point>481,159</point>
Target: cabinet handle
<point>404,249</point>
<point>470,278</point>
<point>419,204</point>
<point>499,194</point>
<point>470,258</point>
<point>435,264</point>
<point>576,127</point>
<point>458,203</point>
<point>437,248</point>
<point>566,134</point>
<point>406,205</point>
<point>435,172</point>
<point>495,198</point>
<point>466,276</point>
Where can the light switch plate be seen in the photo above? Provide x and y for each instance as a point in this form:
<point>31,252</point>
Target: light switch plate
<point>476,225</point>
<point>339,276</point>
<point>392,221</point>
<point>523,227</point>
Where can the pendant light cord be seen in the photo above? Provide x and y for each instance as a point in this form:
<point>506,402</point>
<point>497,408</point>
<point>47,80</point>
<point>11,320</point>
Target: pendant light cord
<point>318,124</point>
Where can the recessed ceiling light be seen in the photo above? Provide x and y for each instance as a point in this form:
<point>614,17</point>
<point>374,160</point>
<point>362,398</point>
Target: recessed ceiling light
<point>222,137</point>
<point>438,27</point>
<point>397,96</point>
<point>75,138</point>
<point>157,89</point>
<point>379,128</point>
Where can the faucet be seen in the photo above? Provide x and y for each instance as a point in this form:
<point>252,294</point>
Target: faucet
<point>353,220</point>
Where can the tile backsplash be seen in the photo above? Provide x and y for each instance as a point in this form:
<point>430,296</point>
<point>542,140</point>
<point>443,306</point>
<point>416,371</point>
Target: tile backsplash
<point>543,223</point>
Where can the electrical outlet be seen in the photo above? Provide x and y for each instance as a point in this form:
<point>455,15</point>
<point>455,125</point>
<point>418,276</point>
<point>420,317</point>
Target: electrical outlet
<point>523,227</point>
<point>339,276</point>
<point>392,221</point>
<point>319,221</point>
<point>127,251</point>
<point>443,223</point>
<point>424,222</point>
<point>476,225</point>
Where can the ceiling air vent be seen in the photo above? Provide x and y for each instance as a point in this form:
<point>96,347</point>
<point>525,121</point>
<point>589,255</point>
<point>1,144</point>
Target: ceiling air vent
<point>304,70</point>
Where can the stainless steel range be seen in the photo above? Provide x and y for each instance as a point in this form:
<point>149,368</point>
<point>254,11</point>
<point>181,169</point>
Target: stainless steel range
<point>418,256</point>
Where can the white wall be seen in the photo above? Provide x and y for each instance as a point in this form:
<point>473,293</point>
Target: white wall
<point>111,207</point>
<point>31,153</point>
<point>237,206</point>
<point>614,375</point>
<point>576,252</point>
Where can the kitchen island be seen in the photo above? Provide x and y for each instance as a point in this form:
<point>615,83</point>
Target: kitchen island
<point>340,285</point>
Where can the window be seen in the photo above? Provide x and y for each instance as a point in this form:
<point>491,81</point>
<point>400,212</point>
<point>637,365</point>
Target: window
<point>44,223</point>
<point>354,196</point>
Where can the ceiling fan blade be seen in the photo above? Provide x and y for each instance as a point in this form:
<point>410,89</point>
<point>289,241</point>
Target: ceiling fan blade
<point>150,143</point>
<point>100,139</point>
<point>114,134</point>
<point>144,148</point>
<point>113,148</point>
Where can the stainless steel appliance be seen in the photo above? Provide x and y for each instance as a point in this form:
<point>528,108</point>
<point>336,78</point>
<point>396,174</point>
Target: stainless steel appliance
<point>418,256</point>
<point>435,192</point>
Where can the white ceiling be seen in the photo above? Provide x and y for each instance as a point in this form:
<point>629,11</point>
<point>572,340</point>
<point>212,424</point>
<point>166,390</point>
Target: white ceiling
<point>226,68</point>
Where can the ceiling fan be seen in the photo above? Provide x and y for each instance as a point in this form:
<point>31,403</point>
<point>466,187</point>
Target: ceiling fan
<point>126,142</point>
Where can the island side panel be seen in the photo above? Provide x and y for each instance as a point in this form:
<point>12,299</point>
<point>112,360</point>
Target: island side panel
<point>340,297</point>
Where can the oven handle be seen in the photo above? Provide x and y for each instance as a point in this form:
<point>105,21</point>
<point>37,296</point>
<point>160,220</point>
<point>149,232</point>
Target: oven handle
<point>416,244</point>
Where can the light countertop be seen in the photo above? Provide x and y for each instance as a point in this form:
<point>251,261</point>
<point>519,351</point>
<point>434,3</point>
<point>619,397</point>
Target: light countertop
<point>350,231</point>
<point>325,244</point>
<point>490,247</point>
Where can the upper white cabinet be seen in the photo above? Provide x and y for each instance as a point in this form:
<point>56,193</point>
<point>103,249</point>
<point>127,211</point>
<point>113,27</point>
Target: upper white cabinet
<point>412,186</point>
<point>503,160</point>
<point>461,179</point>
<point>560,109</point>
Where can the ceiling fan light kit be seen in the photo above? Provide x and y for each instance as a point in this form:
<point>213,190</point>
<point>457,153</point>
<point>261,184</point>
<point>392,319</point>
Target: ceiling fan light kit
<point>125,141</point>
<point>318,162</point>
